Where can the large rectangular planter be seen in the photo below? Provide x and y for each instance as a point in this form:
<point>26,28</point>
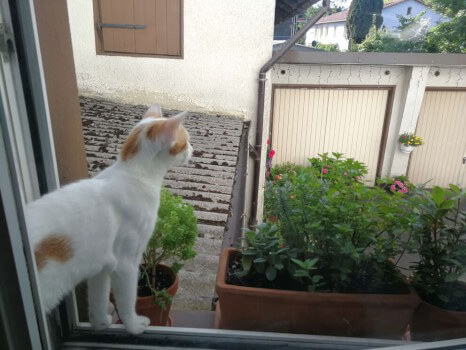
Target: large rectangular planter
<point>431,323</point>
<point>341,314</point>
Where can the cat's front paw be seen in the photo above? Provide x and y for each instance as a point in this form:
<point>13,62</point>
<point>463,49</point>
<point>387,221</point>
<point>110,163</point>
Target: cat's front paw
<point>137,325</point>
<point>100,323</point>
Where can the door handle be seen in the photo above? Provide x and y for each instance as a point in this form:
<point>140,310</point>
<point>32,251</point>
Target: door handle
<point>121,26</point>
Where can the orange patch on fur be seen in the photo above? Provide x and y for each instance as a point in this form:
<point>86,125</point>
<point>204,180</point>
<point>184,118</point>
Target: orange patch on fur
<point>155,129</point>
<point>54,247</point>
<point>131,145</point>
<point>181,142</point>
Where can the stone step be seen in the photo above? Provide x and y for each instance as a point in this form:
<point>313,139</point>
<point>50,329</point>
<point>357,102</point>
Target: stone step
<point>196,171</point>
<point>221,162</point>
<point>111,118</point>
<point>195,186</point>
<point>209,206</point>
<point>212,217</point>
<point>199,179</point>
<point>210,231</point>
<point>207,155</point>
<point>195,290</point>
<point>94,139</point>
<point>202,196</point>
<point>226,169</point>
<point>191,301</point>
<point>208,246</point>
<point>202,262</point>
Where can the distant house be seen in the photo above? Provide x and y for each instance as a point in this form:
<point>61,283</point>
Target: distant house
<point>332,29</point>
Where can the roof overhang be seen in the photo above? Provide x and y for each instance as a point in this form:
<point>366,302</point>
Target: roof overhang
<point>285,9</point>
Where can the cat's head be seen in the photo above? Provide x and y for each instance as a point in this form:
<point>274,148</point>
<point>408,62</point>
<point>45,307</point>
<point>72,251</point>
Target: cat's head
<point>158,139</point>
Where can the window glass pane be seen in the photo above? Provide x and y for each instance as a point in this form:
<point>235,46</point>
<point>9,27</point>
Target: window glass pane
<point>331,203</point>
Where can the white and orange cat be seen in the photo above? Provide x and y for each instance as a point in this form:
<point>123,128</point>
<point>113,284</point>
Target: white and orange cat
<point>97,229</point>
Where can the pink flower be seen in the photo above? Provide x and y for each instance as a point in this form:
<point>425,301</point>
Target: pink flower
<point>345,173</point>
<point>393,188</point>
<point>404,190</point>
<point>267,174</point>
<point>268,141</point>
<point>399,183</point>
<point>271,153</point>
<point>324,171</point>
<point>327,166</point>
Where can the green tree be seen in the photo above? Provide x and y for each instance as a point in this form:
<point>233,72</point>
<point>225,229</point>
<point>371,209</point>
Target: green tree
<point>410,36</point>
<point>360,18</point>
<point>449,8</point>
<point>448,37</point>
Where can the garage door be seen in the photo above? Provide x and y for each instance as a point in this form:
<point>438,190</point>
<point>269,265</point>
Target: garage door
<point>442,125</point>
<point>309,121</point>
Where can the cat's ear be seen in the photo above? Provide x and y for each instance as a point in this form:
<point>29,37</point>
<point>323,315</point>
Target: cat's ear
<point>168,128</point>
<point>154,111</point>
<point>178,119</point>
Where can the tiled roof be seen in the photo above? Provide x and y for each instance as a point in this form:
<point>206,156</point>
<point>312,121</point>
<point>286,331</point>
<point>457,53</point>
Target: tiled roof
<point>336,17</point>
<point>341,16</point>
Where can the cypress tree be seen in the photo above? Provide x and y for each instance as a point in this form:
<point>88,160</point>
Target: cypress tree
<point>360,19</point>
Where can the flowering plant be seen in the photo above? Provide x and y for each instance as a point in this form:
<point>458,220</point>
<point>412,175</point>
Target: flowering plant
<point>409,139</point>
<point>270,155</point>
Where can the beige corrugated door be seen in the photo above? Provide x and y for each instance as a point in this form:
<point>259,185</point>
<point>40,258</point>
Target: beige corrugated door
<point>309,121</point>
<point>442,125</point>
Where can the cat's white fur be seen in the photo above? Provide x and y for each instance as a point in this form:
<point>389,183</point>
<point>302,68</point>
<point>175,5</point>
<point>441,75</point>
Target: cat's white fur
<point>109,220</point>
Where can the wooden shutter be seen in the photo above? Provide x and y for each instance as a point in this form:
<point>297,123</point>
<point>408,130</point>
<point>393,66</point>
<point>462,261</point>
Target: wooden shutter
<point>161,34</point>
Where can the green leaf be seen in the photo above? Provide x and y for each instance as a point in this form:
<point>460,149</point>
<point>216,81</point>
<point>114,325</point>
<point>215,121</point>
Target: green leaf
<point>271,273</point>
<point>451,277</point>
<point>301,273</point>
<point>455,188</point>
<point>249,252</point>
<point>246,261</point>
<point>316,279</point>
<point>299,263</point>
<point>448,204</point>
<point>438,195</point>
<point>279,267</point>
<point>259,260</point>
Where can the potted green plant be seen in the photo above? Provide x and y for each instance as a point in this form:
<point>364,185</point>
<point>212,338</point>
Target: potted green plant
<point>329,265</point>
<point>408,141</point>
<point>173,241</point>
<point>441,244</point>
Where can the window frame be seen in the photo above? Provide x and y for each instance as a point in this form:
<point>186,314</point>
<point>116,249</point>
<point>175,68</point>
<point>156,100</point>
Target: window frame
<point>99,38</point>
<point>61,329</point>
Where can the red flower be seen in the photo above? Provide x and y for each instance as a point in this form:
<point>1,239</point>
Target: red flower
<point>271,153</point>
<point>268,141</point>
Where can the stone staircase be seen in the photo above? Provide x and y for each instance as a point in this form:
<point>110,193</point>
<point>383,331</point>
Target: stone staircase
<point>206,183</point>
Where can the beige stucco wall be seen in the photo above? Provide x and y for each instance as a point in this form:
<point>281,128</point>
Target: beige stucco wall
<point>225,44</point>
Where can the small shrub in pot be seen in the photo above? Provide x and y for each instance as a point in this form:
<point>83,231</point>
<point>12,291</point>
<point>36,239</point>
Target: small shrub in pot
<point>441,245</point>
<point>172,241</point>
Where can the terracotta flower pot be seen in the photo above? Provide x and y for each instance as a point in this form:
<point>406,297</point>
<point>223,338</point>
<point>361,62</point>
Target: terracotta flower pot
<point>432,323</point>
<point>342,314</point>
<point>147,307</point>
